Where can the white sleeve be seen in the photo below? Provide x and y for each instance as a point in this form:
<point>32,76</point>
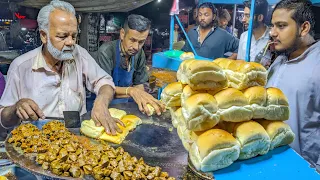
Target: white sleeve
<point>242,47</point>
<point>95,76</point>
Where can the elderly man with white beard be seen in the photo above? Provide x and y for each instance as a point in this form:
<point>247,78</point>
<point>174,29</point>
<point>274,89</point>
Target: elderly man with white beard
<point>50,79</point>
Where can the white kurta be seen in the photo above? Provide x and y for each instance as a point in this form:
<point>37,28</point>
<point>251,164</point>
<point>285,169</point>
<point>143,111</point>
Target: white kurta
<point>299,79</point>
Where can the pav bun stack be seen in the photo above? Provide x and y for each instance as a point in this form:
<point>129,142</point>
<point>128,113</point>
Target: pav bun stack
<point>225,113</point>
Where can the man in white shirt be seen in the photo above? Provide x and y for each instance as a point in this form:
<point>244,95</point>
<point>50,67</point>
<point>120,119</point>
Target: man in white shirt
<point>296,73</point>
<point>50,79</point>
<point>260,34</point>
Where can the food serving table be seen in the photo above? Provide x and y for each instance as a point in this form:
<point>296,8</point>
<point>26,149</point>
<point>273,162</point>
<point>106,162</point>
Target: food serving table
<point>158,143</point>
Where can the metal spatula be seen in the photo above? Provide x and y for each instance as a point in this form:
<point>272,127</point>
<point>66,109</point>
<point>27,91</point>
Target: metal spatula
<point>71,119</point>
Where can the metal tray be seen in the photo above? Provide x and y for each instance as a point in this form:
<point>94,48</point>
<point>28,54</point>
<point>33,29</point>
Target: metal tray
<point>28,164</point>
<point>14,172</point>
<point>155,140</point>
<point>199,174</point>
<point>4,159</point>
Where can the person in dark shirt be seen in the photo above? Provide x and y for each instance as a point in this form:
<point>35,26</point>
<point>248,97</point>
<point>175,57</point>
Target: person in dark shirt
<point>125,60</point>
<point>207,38</point>
<point>224,18</point>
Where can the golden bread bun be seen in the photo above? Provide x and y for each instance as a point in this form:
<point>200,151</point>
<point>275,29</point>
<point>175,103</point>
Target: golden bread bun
<point>215,149</point>
<point>199,112</point>
<point>230,97</point>
<point>171,94</point>
<point>117,113</point>
<point>89,129</point>
<point>277,105</point>
<point>279,132</point>
<point>253,138</point>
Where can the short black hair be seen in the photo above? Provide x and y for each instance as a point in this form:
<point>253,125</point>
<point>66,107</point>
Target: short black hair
<point>137,22</point>
<point>261,7</point>
<point>209,5</point>
<point>301,11</point>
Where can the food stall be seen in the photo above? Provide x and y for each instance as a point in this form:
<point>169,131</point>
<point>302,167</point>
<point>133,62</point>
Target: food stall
<point>148,141</point>
<point>157,141</point>
<point>268,166</point>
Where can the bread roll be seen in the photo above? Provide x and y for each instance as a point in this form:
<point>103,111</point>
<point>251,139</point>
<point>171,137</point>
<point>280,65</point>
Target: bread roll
<point>279,132</point>
<point>176,114</point>
<point>200,112</point>
<point>235,65</point>
<point>187,92</point>
<point>241,74</point>
<point>117,113</point>
<point>234,106</point>
<point>257,98</point>
<point>223,62</point>
<point>215,149</point>
<point>171,94</point>
<point>118,138</point>
<point>3,178</point>
<point>151,110</point>
<point>252,137</point>
<point>131,121</point>
<point>185,136</point>
<point>182,69</point>
<point>277,105</point>
<point>247,75</point>
<point>251,67</point>
<point>186,56</point>
<point>89,129</point>
<point>202,75</point>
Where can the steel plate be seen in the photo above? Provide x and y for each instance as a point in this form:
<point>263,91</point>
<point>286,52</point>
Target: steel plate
<point>199,174</point>
<point>155,140</point>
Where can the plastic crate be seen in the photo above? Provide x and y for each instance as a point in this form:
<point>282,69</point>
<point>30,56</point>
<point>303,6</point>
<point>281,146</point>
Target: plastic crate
<point>160,60</point>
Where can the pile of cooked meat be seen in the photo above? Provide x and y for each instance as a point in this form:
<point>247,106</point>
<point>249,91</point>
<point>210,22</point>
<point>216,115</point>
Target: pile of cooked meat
<point>66,154</point>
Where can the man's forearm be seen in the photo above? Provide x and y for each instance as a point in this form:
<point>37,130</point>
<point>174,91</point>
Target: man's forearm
<point>123,92</point>
<point>9,117</point>
<point>106,94</point>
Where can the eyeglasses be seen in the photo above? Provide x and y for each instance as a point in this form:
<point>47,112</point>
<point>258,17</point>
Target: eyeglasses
<point>247,16</point>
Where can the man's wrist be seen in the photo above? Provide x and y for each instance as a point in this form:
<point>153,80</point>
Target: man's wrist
<point>102,100</point>
<point>127,91</point>
<point>9,113</point>
<point>130,91</point>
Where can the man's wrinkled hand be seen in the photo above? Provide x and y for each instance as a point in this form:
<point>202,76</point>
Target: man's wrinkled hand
<point>27,109</point>
<point>101,116</point>
<point>143,99</point>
